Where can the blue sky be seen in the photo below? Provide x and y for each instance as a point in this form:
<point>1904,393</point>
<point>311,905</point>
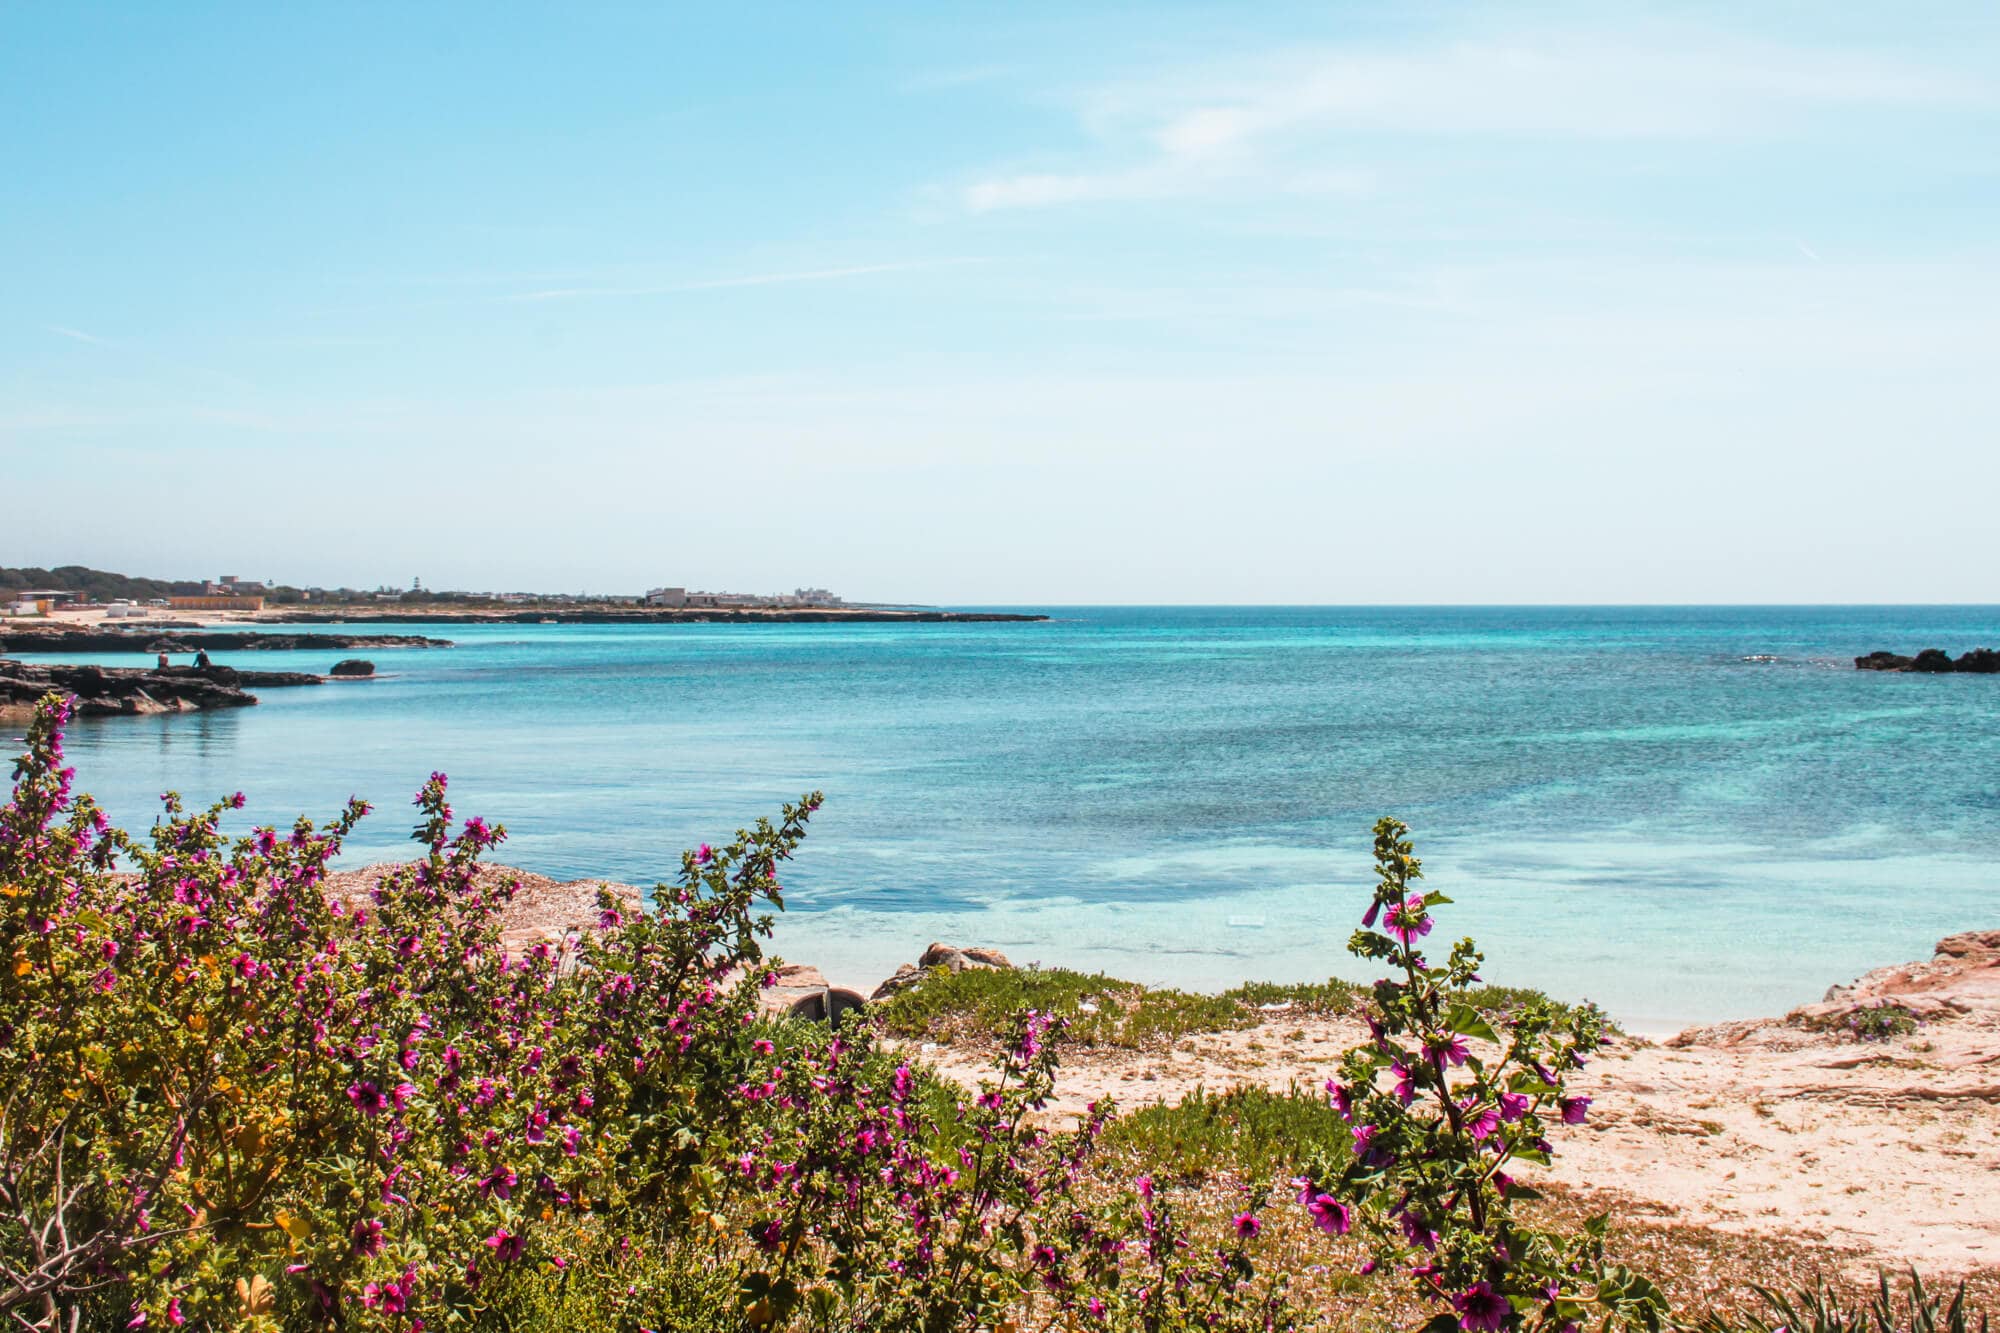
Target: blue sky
<point>1062,303</point>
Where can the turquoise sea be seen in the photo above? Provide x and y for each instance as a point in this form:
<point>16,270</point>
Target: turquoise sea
<point>1683,813</point>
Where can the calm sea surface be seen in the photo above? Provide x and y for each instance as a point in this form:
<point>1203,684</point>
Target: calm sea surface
<point>1626,805</point>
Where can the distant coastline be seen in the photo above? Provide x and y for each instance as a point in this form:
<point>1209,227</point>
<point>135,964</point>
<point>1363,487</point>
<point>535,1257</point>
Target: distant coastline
<point>641,616</point>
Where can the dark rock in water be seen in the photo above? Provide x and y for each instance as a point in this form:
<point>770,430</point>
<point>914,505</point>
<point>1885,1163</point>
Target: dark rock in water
<point>134,691</point>
<point>353,666</point>
<point>1933,662</point>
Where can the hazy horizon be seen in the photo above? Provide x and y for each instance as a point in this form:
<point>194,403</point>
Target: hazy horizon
<point>1057,305</point>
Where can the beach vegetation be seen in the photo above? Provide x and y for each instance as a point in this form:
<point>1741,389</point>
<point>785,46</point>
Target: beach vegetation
<point>1885,1021</point>
<point>1906,1307</point>
<point>229,1099</point>
<point>1250,1132</point>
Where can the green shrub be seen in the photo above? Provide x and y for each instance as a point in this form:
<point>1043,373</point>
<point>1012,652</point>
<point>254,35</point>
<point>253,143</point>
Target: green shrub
<point>1249,1131</point>
<point>1916,1309</point>
<point>621,1289</point>
<point>1330,997</point>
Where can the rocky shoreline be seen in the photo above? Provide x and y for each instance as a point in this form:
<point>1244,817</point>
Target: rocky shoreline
<point>137,691</point>
<point>158,639</point>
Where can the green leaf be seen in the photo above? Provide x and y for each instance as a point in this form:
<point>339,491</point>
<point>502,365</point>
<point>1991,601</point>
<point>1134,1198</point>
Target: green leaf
<point>1468,1022</point>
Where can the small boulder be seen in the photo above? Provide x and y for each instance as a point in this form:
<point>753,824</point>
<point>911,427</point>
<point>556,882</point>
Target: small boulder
<point>353,667</point>
<point>908,975</point>
<point>1933,661</point>
<point>957,960</point>
<point>946,957</point>
<point>1882,660</point>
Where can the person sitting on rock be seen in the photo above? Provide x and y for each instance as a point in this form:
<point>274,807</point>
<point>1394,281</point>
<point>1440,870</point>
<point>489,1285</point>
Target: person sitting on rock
<point>201,660</point>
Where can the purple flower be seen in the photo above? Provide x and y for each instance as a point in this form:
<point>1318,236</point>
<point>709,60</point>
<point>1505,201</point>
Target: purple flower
<point>1366,1150</point>
<point>1406,920</point>
<point>1246,1225</point>
<point>1479,1121</point>
<point>367,1097</point>
<point>1453,1052</point>
<point>1406,1087</point>
<point>1343,1100</point>
<point>1512,1106</point>
<point>367,1236</point>
<point>1329,1214</point>
<point>705,855</point>
<point>1482,1309</point>
<point>506,1245</point>
<point>1418,1232</point>
<point>1574,1109</point>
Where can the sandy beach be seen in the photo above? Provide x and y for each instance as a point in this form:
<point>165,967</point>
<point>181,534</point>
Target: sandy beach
<point>1790,1128</point>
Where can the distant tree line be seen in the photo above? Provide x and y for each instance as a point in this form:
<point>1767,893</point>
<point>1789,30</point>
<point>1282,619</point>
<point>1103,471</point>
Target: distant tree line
<point>96,585</point>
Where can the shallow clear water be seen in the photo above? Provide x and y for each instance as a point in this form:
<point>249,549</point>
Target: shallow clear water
<point>1623,806</point>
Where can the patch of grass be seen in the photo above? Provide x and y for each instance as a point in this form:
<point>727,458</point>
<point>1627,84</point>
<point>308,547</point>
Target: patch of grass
<point>979,1002</point>
<point>1330,997</point>
<point>1106,1011</point>
<point>1102,1011</point>
<point>1250,1132</point>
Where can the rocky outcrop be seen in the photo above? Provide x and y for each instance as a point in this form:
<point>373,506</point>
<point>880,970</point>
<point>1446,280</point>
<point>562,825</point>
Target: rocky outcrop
<point>1933,662</point>
<point>158,639</point>
<point>1960,982</point>
<point>134,691</point>
<point>352,668</point>
<point>940,956</point>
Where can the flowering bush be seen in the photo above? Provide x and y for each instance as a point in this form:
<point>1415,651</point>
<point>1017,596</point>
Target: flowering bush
<point>1442,1101</point>
<point>229,1099</point>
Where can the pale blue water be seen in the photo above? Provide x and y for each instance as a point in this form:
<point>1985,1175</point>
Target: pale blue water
<point>1624,807</point>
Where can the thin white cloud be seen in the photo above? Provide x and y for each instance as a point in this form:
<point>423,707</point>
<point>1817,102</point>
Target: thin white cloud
<point>1290,114</point>
<point>79,335</point>
<point>749,280</point>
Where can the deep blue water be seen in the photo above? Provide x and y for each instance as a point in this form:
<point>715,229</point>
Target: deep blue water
<point>1624,806</point>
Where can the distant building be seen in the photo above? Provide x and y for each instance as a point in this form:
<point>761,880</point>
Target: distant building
<point>667,597</point>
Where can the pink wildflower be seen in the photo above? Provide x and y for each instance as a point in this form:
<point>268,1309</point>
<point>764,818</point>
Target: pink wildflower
<point>1482,1309</point>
